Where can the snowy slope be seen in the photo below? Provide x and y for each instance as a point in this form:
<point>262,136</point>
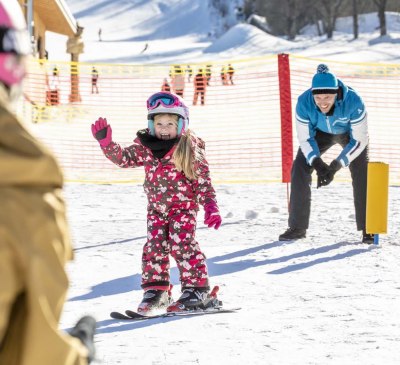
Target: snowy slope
<point>191,30</point>
<point>243,37</point>
<point>142,20</point>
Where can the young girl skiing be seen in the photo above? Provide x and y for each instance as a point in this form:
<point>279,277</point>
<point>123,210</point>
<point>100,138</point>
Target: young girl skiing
<point>177,181</point>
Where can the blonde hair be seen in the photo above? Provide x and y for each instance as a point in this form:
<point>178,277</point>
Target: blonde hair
<point>188,154</point>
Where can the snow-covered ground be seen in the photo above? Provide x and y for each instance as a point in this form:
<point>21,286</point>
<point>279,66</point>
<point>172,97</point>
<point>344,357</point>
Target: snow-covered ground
<point>326,299</point>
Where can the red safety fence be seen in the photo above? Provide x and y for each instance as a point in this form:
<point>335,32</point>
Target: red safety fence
<point>246,122</point>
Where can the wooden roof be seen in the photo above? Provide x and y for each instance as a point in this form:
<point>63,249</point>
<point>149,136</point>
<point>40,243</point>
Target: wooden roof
<point>56,16</point>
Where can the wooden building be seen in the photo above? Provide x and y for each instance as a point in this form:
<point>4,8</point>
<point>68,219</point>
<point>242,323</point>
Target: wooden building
<point>47,15</point>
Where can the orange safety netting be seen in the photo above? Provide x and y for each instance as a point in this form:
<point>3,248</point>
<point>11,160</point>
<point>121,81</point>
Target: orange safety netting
<point>240,122</point>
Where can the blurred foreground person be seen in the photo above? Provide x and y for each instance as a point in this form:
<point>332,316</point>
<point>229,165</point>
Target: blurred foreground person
<point>34,237</point>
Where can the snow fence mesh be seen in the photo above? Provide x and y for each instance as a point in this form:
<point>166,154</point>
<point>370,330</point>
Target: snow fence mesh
<point>240,122</point>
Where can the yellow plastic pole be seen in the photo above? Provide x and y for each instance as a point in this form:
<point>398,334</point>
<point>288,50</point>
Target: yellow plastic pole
<point>377,198</point>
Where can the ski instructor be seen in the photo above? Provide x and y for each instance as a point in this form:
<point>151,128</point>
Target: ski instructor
<point>328,113</point>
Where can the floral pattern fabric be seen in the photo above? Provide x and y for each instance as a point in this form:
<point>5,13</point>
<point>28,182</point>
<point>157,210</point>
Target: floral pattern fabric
<point>173,203</point>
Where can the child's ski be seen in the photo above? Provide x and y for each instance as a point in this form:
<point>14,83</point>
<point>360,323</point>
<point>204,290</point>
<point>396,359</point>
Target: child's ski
<point>215,306</point>
<point>134,316</point>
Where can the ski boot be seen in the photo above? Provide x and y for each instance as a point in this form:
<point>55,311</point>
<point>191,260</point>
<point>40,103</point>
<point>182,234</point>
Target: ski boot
<point>193,299</point>
<point>154,300</point>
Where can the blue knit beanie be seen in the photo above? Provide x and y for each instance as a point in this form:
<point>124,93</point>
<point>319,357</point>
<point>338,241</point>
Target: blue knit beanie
<point>324,82</point>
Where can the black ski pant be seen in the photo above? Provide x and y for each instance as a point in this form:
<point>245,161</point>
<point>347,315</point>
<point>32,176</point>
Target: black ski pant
<point>300,195</point>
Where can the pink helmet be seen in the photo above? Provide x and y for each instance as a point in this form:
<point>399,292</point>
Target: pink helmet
<point>14,42</point>
<point>169,103</point>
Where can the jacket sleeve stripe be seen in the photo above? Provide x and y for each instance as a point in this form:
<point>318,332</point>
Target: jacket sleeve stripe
<point>358,142</point>
<point>307,144</point>
<point>360,119</point>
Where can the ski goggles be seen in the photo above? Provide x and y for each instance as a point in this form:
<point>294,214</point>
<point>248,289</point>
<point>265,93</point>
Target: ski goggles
<point>14,41</point>
<point>164,99</point>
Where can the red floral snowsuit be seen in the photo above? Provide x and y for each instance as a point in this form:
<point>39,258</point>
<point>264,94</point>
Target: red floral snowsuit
<point>173,203</point>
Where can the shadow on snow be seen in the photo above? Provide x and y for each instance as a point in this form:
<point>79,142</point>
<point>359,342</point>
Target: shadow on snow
<point>218,267</point>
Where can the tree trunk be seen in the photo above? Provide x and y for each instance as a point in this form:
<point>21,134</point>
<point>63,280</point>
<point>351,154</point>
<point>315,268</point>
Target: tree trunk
<point>291,19</point>
<point>381,4</point>
<point>331,10</point>
<point>355,19</point>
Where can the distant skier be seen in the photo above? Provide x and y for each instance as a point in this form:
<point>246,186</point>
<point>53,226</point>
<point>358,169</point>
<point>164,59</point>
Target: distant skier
<point>145,48</point>
<point>177,181</point>
<point>224,75</point>
<point>53,94</point>
<point>200,86</point>
<point>189,72</point>
<point>208,73</point>
<point>166,86</point>
<point>230,71</point>
<point>178,80</point>
<point>95,78</point>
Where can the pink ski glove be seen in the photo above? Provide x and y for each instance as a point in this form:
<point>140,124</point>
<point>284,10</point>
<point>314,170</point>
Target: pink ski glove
<point>102,132</point>
<point>212,217</point>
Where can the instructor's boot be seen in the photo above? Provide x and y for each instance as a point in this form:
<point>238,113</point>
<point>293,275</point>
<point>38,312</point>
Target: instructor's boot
<point>368,238</point>
<point>292,234</point>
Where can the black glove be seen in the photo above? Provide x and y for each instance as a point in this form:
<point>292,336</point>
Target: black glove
<point>327,178</point>
<point>334,167</point>
<point>323,172</point>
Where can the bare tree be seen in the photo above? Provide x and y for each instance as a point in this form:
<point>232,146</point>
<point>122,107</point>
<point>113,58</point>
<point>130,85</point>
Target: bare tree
<point>330,11</point>
<point>284,17</point>
<point>288,17</point>
<point>355,18</point>
<point>249,8</point>
<point>290,10</point>
<point>381,5</point>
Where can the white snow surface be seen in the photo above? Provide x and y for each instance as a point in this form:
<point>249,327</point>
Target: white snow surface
<point>326,299</point>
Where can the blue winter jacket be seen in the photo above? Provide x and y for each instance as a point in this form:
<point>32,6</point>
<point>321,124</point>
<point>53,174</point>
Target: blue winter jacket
<point>349,116</point>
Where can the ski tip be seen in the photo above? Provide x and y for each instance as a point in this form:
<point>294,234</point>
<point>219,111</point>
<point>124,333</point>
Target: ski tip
<point>118,315</point>
<point>133,314</point>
